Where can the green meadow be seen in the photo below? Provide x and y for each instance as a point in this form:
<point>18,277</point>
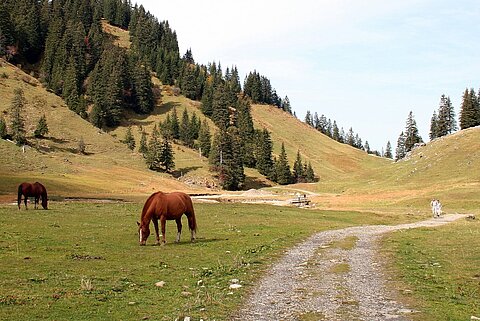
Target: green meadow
<point>437,270</point>
<point>82,261</point>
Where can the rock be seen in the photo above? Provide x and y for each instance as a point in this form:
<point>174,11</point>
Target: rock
<point>186,293</point>
<point>474,318</point>
<point>132,303</point>
<point>235,286</point>
<point>234,281</point>
<point>186,319</point>
<point>160,284</point>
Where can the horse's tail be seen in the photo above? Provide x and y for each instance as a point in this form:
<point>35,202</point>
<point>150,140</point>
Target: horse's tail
<point>192,221</point>
<point>19,199</point>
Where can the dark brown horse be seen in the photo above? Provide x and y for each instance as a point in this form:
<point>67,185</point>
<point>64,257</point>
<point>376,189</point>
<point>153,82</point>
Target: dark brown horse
<point>35,190</point>
<point>163,207</point>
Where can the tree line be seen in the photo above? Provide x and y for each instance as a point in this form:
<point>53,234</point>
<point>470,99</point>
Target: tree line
<point>442,123</point>
<point>63,43</point>
<point>332,130</point>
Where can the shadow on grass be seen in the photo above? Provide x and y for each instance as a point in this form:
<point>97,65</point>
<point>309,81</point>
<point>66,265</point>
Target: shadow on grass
<point>253,182</point>
<point>141,119</point>
<point>182,171</point>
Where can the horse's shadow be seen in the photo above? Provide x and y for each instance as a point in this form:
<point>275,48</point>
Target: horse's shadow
<point>187,242</point>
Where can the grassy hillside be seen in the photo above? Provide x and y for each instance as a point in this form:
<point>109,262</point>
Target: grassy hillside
<point>108,168</point>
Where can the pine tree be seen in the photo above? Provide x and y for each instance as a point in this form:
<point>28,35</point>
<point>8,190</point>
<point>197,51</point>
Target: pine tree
<point>282,168</point>
<point>3,128</point>
<point>143,144</point>
<point>263,153</point>
<point>400,151</point>
<point>166,158</point>
<point>335,132</point>
<point>129,139</point>
<point>309,173</point>
<point>309,119</point>
<point>154,154</point>
<point>298,172</point>
<point>412,136</point>
<point>367,147</point>
<point>470,110</point>
<point>388,150</point>
<point>246,130</point>
<point>220,113</point>
<point>434,126</point>
<point>204,139</point>
<point>42,127</point>
<point>174,125</point>
<point>230,171</point>
<point>446,123</point>
<point>185,129</point>
<point>17,123</point>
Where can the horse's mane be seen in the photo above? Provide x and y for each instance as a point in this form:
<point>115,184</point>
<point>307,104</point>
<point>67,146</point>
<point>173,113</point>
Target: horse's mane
<point>147,204</point>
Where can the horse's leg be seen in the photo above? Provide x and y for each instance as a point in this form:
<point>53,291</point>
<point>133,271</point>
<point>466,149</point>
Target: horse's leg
<point>179,229</point>
<point>26,198</point>
<point>163,221</point>
<point>157,237</point>
<point>36,202</point>
<point>192,229</point>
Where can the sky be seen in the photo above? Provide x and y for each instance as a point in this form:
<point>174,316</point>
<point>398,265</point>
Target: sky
<point>365,64</point>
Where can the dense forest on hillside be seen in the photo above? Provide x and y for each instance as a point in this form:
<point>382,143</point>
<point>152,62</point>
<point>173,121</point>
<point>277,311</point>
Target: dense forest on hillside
<point>62,43</point>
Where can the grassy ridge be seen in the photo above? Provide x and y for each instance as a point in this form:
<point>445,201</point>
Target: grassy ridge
<point>45,256</point>
<point>438,270</point>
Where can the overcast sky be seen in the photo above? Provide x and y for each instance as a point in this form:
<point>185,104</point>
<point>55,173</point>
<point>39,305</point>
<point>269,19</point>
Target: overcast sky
<point>365,64</point>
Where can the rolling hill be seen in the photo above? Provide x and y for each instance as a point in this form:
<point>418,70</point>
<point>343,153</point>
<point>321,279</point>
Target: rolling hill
<point>447,168</point>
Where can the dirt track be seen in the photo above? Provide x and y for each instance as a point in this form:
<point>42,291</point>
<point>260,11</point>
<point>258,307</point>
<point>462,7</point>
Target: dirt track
<point>328,282</point>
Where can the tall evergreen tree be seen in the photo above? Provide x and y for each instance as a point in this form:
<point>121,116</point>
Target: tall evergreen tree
<point>470,110</point>
<point>446,123</point>
<point>434,126</point>
<point>16,114</point>
<point>263,153</point>
<point>282,168</point>
<point>400,151</point>
<point>185,129</point>
<point>412,136</point>
<point>204,139</point>
<point>129,140</point>
<point>388,150</point>
<point>298,172</point>
<point>175,125</point>
<point>166,158</point>
<point>154,155</point>
<point>247,131</point>
<point>143,144</point>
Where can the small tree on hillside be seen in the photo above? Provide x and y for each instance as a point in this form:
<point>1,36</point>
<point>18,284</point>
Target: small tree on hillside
<point>143,144</point>
<point>3,128</point>
<point>388,150</point>
<point>17,122</point>
<point>166,158</point>
<point>309,173</point>
<point>81,146</point>
<point>129,139</point>
<point>204,139</point>
<point>282,168</point>
<point>298,170</point>
<point>400,151</point>
<point>42,127</point>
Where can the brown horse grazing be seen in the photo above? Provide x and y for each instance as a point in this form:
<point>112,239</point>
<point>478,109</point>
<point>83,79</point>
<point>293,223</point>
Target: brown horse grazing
<point>35,190</point>
<point>166,206</point>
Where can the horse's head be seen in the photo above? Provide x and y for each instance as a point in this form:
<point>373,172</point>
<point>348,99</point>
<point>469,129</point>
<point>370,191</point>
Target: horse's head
<point>45,203</point>
<point>143,233</point>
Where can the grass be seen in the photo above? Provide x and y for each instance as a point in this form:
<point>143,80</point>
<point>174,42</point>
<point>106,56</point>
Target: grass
<point>82,260</point>
<point>437,270</point>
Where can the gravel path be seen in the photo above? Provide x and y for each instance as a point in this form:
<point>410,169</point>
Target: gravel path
<point>333,275</point>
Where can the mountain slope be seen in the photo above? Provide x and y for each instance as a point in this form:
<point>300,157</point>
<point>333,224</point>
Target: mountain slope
<point>108,168</point>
